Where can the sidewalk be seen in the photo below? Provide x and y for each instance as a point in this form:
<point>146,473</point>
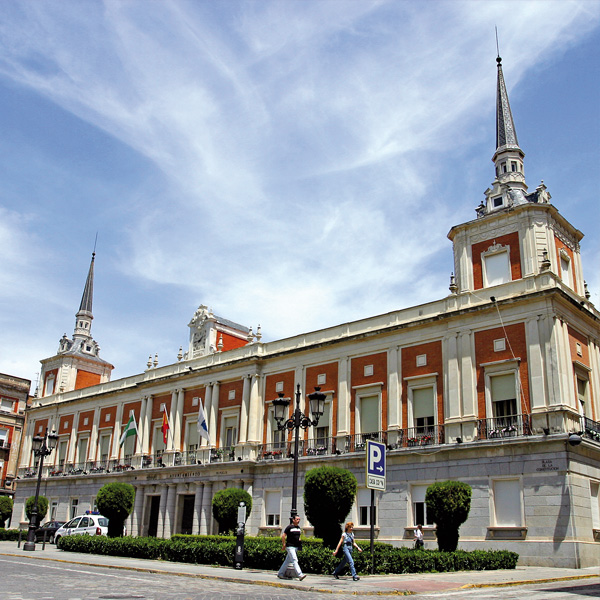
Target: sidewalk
<point>369,584</point>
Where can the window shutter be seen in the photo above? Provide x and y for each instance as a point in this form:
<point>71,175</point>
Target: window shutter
<point>423,402</point>
<point>503,387</point>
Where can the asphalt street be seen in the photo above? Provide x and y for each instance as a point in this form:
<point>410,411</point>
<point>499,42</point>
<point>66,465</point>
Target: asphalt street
<point>25,579</point>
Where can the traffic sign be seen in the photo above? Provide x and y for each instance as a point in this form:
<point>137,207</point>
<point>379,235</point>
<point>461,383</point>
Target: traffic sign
<point>375,465</point>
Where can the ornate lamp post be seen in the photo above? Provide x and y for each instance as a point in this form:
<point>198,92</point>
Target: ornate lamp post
<point>41,447</point>
<point>297,421</point>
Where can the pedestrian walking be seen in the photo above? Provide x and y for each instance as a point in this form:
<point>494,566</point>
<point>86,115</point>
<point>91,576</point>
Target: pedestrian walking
<point>419,537</point>
<point>290,541</point>
<point>348,544</point>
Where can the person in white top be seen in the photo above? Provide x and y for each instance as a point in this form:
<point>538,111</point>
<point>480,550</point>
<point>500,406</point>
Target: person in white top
<point>418,537</point>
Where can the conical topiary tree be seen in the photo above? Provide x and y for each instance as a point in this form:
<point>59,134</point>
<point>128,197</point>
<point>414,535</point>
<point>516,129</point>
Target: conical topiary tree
<point>448,505</point>
<point>329,494</point>
<point>115,502</point>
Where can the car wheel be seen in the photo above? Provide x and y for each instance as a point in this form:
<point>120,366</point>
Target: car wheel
<point>51,540</point>
<point>57,540</point>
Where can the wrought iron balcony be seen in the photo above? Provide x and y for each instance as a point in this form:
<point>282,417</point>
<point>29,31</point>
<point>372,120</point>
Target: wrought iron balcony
<point>591,429</point>
<point>504,427</point>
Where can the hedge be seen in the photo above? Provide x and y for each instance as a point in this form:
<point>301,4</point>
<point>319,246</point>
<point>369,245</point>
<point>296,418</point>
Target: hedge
<point>12,535</point>
<point>265,553</point>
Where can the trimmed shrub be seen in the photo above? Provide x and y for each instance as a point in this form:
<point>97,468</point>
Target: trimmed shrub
<point>225,507</point>
<point>265,553</point>
<point>6,508</point>
<point>42,508</point>
<point>115,502</point>
<point>12,535</point>
<point>328,497</point>
<point>448,504</point>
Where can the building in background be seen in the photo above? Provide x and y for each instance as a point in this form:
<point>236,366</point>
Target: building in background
<point>14,397</point>
<point>496,384</point>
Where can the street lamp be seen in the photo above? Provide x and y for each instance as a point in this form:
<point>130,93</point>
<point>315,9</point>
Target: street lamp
<point>297,421</point>
<point>41,447</point>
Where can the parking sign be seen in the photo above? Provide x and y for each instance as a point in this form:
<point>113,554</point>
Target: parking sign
<point>375,465</point>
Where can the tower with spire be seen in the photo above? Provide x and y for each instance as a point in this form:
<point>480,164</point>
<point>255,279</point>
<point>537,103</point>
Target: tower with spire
<point>77,364</point>
<point>516,234</point>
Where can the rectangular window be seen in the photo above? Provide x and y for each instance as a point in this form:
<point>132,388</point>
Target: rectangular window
<point>423,410</point>
<point>369,414</point>
<point>53,510</point>
<point>230,431</point>
<point>129,446</point>
<point>582,387</point>
<point>62,452</point>
<point>504,399</point>
<point>7,404</point>
<point>565,271</point>
<point>82,447</point>
<point>419,508</point>
<point>272,508</point>
<point>496,268</point>
<point>363,503</point>
<point>3,437</point>
<point>322,429</point>
<point>104,447</point>
<point>507,503</point>
<point>595,499</point>
<point>74,507</point>
<point>192,439</point>
<point>278,439</point>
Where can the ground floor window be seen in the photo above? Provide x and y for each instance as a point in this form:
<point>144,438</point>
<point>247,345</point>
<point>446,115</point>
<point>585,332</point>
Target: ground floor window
<point>507,503</point>
<point>74,507</point>
<point>595,499</point>
<point>419,508</point>
<point>363,503</point>
<point>272,508</point>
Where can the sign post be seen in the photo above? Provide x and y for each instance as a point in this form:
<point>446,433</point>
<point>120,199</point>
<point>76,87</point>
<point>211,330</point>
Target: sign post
<point>375,478</point>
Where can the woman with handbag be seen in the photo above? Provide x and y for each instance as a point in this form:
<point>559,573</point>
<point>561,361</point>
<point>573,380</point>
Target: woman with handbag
<point>348,544</point>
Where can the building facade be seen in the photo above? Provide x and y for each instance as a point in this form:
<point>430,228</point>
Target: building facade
<point>496,385</point>
<point>14,396</point>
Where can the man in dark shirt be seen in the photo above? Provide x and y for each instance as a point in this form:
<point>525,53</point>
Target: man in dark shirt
<point>290,541</point>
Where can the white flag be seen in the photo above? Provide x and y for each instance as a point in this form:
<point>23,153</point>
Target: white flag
<point>130,429</point>
<point>202,427</point>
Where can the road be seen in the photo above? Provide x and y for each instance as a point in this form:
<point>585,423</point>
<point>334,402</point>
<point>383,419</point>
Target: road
<point>48,580</point>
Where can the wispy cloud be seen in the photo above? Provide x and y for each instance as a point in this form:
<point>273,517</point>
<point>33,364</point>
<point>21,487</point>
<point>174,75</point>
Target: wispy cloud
<point>298,149</point>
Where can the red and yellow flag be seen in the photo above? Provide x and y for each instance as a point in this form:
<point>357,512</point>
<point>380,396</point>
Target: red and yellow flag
<point>165,427</point>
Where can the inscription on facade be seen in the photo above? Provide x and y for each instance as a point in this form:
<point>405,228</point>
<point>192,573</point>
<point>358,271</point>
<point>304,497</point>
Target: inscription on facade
<point>547,465</point>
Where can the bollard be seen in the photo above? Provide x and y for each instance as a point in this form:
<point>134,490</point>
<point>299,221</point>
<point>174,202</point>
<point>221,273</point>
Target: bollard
<point>238,562</point>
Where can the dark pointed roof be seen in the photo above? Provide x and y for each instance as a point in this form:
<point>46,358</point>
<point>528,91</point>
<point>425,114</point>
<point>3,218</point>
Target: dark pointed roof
<point>506,134</point>
<point>88,291</point>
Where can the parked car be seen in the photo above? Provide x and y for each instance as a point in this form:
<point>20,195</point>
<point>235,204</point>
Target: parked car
<point>83,525</point>
<point>48,529</point>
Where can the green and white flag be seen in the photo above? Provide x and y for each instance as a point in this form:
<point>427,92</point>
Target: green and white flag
<point>130,429</point>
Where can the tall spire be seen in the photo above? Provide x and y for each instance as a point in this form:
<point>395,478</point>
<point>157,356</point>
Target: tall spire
<point>506,134</point>
<point>508,156</point>
<point>84,316</point>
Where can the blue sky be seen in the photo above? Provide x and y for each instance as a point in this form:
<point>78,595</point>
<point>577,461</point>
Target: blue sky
<point>289,164</point>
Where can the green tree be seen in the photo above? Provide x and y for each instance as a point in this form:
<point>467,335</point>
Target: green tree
<point>329,494</point>
<point>42,508</point>
<point>448,504</point>
<point>6,508</point>
<point>115,502</point>
<point>225,506</point>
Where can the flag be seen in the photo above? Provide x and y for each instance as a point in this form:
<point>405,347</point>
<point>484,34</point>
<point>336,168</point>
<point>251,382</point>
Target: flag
<point>202,427</point>
<point>130,429</point>
<point>165,427</point>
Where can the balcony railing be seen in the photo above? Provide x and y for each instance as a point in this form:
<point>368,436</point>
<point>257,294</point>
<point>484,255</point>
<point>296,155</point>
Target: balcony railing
<point>4,445</point>
<point>591,429</point>
<point>504,427</point>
